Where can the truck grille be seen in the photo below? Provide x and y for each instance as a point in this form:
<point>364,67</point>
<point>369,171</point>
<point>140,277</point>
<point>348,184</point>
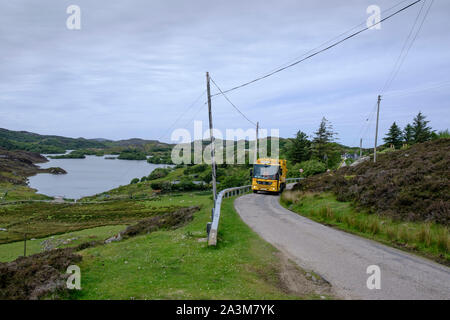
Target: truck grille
<point>266,183</point>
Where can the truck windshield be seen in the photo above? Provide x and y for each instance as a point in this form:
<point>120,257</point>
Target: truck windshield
<point>265,171</point>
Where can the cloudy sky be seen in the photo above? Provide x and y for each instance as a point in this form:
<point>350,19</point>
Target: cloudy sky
<point>136,66</point>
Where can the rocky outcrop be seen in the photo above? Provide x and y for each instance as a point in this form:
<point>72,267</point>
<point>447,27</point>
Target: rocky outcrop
<point>55,170</point>
<point>16,166</point>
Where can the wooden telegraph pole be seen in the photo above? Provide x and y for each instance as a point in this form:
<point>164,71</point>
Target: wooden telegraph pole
<point>360,148</point>
<point>256,142</point>
<point>376,131</point>
<point>213,162</point>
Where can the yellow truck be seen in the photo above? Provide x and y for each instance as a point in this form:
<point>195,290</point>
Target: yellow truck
<point>269,175</point>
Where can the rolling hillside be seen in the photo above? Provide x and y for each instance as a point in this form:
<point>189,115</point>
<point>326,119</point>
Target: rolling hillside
<point>411,184</point>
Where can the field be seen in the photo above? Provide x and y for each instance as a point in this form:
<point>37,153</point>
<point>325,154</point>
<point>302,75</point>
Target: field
<point>164,264</point>
<point>11,251</point>
<point>41,219</point>
<point>178,264</point>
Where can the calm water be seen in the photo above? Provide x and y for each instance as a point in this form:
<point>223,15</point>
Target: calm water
<point>86,177</point>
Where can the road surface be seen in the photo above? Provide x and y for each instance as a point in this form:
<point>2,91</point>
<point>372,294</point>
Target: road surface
<point>342,258</point>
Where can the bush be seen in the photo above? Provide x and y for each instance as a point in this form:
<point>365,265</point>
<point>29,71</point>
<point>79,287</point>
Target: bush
<point>195,168</point>
<point>164,186</point>
<point>206,176</point>
<point>234,181</point>
<point>37,276</point>
<point>312,167</point>
<point>170,220</point>
<point>132,154</point>
<point>441,134</point>
<point>134,181</point>
<point>158,173</point>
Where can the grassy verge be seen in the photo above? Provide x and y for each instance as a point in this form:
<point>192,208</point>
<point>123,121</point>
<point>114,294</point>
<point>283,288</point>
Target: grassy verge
<point>178,264</point>
<point>11,251</point>
<point>428,239</point>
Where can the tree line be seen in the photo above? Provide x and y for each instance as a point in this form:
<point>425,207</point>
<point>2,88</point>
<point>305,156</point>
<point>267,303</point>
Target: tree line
<point>321,147</point>
<point>320,151</point>
<point>417,132</point>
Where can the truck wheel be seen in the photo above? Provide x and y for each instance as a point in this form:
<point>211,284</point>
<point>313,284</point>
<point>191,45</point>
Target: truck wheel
<point>255,191</point>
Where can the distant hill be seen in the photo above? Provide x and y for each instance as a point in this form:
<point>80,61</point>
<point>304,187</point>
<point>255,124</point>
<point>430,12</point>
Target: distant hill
<point>51,144</point>
<point>29,141</point>
<point>146,145</point>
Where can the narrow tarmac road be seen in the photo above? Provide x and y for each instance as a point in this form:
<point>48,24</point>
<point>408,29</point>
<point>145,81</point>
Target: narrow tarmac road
<point>342,258</point>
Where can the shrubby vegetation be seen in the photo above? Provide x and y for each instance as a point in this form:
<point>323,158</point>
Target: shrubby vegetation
<point>309,167</point>
<point>442,134</point>
<point>158,173</point>
<point>182,185</point>
<point>132,154</point>
<point>72,155</point>
<point>134,181</point>
<point>161,158</point>
<point>411,184</point>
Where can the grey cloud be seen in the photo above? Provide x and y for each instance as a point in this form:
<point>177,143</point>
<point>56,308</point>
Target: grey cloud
<point>136,65</point>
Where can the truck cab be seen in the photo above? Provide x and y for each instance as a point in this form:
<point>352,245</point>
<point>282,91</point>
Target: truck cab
<point>269,175</point>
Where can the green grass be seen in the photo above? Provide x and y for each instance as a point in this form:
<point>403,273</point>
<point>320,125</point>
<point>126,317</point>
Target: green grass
<point>11,251</point>
<point>39,220</point>
<point>139,190</point>
<point>428,239</point>
<point>178,264</point>
<point>11,192</point>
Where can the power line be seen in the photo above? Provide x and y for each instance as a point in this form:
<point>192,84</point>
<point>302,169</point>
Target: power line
<point>366,124</point>
<point>401,58</point>
<point>414,39</point>
<point>234,106</point>
<point>406,92</point>
<point>397,61</point>
<point>320,51</point>
<point>182,115</point>
<point>195,114</point>
<point>403,54</point>
<point>337,37</point>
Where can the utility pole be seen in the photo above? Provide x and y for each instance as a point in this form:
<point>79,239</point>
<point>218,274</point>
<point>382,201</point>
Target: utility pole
<point>256,142</point>
<point>213,162</point>
<point>360,148</point>
<point>376,131</point>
